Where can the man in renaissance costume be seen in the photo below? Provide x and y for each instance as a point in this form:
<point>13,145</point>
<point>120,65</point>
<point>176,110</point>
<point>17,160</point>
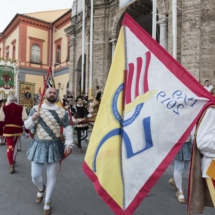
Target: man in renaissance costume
<point>12,116</point>
<point>202,172</point>
<point>46,146</point>
<point>81,124</point>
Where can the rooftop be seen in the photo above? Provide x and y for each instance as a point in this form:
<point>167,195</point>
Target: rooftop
<point>47,16</point>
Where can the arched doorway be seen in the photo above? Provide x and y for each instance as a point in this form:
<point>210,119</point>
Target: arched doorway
<point>78,80</point>
<point>141,12</point>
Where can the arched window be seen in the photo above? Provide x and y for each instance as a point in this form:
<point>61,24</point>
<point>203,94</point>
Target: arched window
<point>58,59</point>
<point>35,54</point>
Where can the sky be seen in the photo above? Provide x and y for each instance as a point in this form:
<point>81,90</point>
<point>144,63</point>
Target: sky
<point>10,8</point>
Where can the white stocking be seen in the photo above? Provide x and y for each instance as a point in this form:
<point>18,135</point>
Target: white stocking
<point>51,180</point>
<point>180,168</point>
<point>36,174</point>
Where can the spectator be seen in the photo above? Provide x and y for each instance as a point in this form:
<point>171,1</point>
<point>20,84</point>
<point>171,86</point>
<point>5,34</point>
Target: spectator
<point>98,94</point>
<point>70,98</point>
<point>85,98</point>
<point>207,86</point>
<point>182,164</point>
<point>65,102</point>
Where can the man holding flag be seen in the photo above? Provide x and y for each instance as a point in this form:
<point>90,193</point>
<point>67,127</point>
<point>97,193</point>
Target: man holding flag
<point>47,119</point>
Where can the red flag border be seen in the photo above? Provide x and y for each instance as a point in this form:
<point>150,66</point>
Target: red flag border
<point>173,66</point>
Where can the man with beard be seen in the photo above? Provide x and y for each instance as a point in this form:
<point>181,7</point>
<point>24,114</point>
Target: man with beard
<point>46,146</point>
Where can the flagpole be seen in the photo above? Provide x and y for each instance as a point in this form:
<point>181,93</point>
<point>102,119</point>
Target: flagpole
<point>154,19</point>
<point>44,88</point>
<point>91,50</point>
<point>174,27</point>
<point>83,34</point>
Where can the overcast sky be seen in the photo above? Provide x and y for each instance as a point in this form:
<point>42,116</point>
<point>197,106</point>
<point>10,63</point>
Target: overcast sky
<point>9,8</point>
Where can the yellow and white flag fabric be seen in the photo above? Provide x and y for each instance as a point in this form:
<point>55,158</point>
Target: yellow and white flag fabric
<point>149,107</point>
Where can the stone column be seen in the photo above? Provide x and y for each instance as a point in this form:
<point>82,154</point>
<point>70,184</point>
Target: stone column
<point>72,64</point>
<point>163,32</point>
<point>113,42</point>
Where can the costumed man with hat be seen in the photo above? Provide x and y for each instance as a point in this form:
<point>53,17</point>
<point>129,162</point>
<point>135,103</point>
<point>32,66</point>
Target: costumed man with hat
<point>12,116</point>
<point>47,147</point>
<point>202,172</point>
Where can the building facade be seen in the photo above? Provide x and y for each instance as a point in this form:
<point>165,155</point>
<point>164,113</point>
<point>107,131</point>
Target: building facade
<point>37,41</point>
<point>195,33</point>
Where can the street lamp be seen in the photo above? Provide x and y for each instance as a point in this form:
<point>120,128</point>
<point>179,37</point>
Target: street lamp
<point>59,85</point>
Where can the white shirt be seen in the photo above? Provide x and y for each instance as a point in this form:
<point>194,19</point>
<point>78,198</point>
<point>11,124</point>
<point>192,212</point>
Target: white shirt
<point>67,131</point>
<point>206,140</point>
<point>208,88</point>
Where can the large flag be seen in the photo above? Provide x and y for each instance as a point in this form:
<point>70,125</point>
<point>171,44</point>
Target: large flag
<point>149,107</point>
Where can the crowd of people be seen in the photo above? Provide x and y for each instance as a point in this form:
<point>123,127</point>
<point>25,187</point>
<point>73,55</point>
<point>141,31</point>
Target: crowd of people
<point>81,109</point>
<point>46,121</point>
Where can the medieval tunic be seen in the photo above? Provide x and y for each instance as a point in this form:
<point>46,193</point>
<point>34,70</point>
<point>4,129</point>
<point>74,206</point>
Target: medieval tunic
<point>185,152</point>
<point>206,140</point>
<point>13,116</point>
<point>81,113</point>
<point>47,146</point>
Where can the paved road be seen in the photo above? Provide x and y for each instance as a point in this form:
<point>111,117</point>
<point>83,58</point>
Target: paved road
<point>74,193</point>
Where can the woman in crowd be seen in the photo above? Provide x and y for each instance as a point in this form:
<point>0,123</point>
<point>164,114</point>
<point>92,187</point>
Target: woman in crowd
<point>182,164</point>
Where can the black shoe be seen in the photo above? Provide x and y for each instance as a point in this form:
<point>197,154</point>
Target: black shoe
<point>79,149</point>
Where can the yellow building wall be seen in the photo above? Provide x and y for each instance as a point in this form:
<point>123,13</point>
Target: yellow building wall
<point>39,34</point>
<point>63,79</point>
<point>37,80</point>
<point>64,43</point>
<point>14,36</point>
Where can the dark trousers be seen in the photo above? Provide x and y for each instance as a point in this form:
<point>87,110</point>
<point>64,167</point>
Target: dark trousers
<point>81,137</point>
